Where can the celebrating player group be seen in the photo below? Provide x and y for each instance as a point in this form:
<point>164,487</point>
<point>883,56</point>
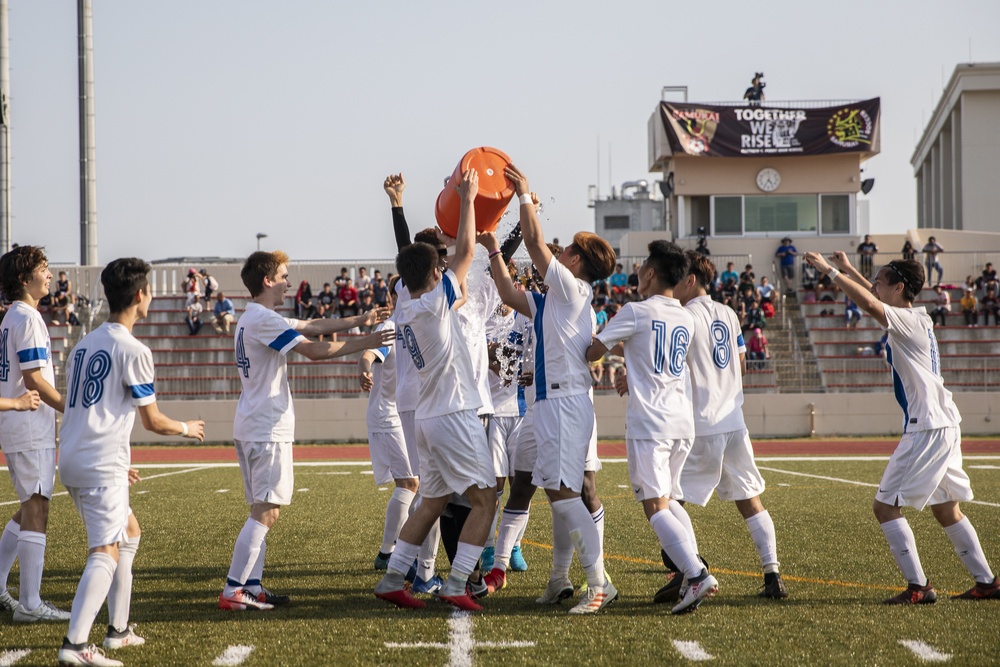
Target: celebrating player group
<point>476,382</point>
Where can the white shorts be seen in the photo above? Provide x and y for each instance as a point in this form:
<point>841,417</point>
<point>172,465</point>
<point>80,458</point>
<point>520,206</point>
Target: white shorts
<point>654,467</point>
<point>104,510</point>
<point>525,446</point>
<point>32,471</point>
<point>390,460</point>
<point>454,454</point>
<point>926,468</point>
<point>722,463</point>
<point>410,437</point>
<point>268,474</point>
<point>503,445</point>
<point>564,429</point>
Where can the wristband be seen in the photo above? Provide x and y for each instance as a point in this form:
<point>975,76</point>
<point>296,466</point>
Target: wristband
<point>184,429</point>
<point>832,275</point>
<point>495,253</point>
<point>525,199</point>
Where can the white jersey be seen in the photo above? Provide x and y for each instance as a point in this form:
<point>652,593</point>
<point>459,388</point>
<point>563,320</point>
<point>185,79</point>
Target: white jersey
<point>504,389</point>
<point>912,351</point>
<point>656,333</point>
<point>482,301</point>
<point>526,395</point>
<point>25,345</point>
<point>407,382</point>
<point>382,416</point>
<point>435,346</point>
<point>110,373</point>
<point>714,362</point>
<point>264,412</point>
<point>563,322</point>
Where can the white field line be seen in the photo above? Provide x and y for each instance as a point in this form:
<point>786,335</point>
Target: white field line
<point>162,474</point>
<point>14,656</point>
<point>416,645</point>
<point>924,651</point>
<point>461,643</point>
<point>234,655</point>
<point>986,467</point>
<point>692,651</point>
<point>851,481</point>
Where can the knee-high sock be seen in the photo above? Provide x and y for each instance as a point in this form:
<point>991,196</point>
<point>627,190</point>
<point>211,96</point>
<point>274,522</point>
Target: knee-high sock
<point>399,564</point>
<point>598,518</point>
<point>562,548</point>
<point>966,542</point>
<point>466,558</point>
<point>395,516</point>
<point>428,553</point>
<point>491,536</point>
<point>673,538</point>
<point>512,524</point>
<point>586,539</point>
<point>31,554</point>
<point>762,533</point>
<point>681,514</point>
<point>90,595</point>
<point>120,595</point>
<point>8,552</point>
<point>245,553</point>
<point>904,550</point>
<point>257,571</point>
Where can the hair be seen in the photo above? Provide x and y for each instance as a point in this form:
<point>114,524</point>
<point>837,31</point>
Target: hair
<point>416,263</point>
<point>554,248</point>
<point>668,262</point>
<point>260,265</point>
<point>220,295</point>
<point>596,255</point>
<point>906,271</point>
<point>701,268</point>
<point>122,280</point>
<point>392,284</point>
<point>428,236</point>
<point>16,268</point>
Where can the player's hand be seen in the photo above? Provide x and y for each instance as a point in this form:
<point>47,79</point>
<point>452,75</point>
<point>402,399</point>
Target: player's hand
<point>394,186</point>
<point>488,240</point>
<point>536,202</point>
<point>816,259</point>
<point>377,316</point>
<point>133,476</point>
<point>29,400</point>
<point>519,180</point>
<point>196,430</point>
<point>379,339</point>
<point>840,260</point>
<point>621,383</point>
<point>366,381</point>
<point>469,186</point>
<point>526,378</point>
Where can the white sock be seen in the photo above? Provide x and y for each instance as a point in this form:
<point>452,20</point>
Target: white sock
<point>491,536</point>
<point>762,533</point>
<point>673,538</point>
<point>245,554</point>
<point>598,518</point>
<point>966,542</point>
<point>586,539</point>
<point>31,554</point>
<point>466,557</point>
<point>120,594</point>
<point>399,564</point>
<point>8,552</point>
<point>252,584</point>
<point>512,524</point>
<point>681,514</point>
<point>428,553</point>
<point>395,516</point>
<point>904,550</point>
<point>562,548</point>
<point>90,595</point>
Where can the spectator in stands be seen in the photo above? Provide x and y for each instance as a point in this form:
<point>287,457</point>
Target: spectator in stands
<point>757,351</point>
<point>613,365</point>
<point>305,309</point>
<point>65,287</point>
<point>380,291</point>
<point>194,311</point>
<point>210,283</point>
<point>633,283</point>
<point>730,272</point>
<point>866,255</point>
<point>988,277</point>
<point>754,318</point>
<point>325,302</point>
<point>908,251</point>
<point>347,299</point>
<point>190,287</point>
<point>931,250</point>
<point>942,305</point>
<point>786,254</point>
<point>619,284</point>
<point>766,290</point>
<point>748,277</point>
<point>366,306</point>
<point>970,283</point>
<point>968,304</point>
<point>341,280</point>
<point>364,280</point>
<point>852,314</point>
<point>728,294</point>
<point>602,292</point>
<point>600,316</point>
<point>597,371</point>
<point>989,305</point>
<point>748,298</point>
<point>224,314</point>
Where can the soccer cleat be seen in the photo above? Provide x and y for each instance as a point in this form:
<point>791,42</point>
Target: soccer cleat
<point>477,590</point>
<point>84,655</point>
<point>557,591</point>
<point>517,562</point>
<point>411,574</point>
<point>7,601</point>
<point>990,591</point>
<point>401,597</point>
<point>242,600</point>
<point>382,562</point>
<point>43,612</point>
<point>671,592</point>
<point>463,602</point>
<point>695,593</point>
<point>596,599</point>
<point>583,587</point>
<point>774,587</point>
<point>495,580</point>
<point>270,598</point>
<point>115,639</point>
<point>427,587</point>
<point>486,560</point>
<point>914,594</point>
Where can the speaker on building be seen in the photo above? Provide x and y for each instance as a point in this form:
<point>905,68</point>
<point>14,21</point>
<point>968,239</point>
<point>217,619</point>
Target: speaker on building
<point>867,185</point>
<point>667,186</point>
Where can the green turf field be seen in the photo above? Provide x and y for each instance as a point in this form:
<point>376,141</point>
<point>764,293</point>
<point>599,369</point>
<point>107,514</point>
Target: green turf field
<point>834,559</point>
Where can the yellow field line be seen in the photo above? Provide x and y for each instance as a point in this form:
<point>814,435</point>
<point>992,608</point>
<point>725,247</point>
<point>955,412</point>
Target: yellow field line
<point>755,575</point>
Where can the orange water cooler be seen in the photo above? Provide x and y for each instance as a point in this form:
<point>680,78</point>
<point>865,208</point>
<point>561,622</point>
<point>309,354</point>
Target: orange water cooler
<point>495,191</point>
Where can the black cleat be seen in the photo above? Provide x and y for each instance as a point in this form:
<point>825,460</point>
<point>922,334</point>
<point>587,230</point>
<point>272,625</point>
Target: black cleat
<point>774,587</point>
<point>914,594</point>
<point>671,592</point>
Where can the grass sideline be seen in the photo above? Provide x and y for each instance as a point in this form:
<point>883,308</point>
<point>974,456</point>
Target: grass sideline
<point>834,559</point>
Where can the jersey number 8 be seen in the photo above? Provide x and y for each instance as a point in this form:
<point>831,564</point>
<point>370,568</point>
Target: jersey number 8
<point>721,352</point>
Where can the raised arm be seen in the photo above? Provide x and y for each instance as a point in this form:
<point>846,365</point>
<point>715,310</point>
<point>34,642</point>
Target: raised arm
<point>394,186</point>
<point>318,351</point>
<point>856,291</point>
<point>325,327</point>
<point>843,264</point>
<point>465,238</point>
<point>531,228</point>
<point>510,295</point>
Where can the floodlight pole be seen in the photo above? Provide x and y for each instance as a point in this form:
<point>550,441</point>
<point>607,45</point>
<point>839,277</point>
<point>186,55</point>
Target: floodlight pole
<point>5,215</point>
<point>88,138</point>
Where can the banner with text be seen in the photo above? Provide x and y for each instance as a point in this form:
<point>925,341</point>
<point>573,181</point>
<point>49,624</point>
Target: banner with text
<point>751,131</point>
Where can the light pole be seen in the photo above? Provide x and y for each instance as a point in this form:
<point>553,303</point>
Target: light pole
<point>260,235</point>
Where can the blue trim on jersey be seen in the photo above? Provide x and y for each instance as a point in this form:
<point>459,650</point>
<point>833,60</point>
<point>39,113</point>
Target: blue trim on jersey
<point>540,384</point>
<point>33,354</point>
<point>739,340</point>
<point>522,403</point>
<point>384,351</point>
<point>142,390</point>
<point>283,340</point>
<point>515,338</point>
<point>449,291</point>
<point>897,386</point>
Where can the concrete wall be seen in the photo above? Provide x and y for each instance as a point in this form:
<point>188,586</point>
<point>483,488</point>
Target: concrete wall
<point>837,173</point>
<point>980,147</point>
<point>767,415</point>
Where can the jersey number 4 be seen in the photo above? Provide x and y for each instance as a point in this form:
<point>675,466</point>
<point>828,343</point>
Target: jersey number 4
<point>4,361</point>
<point>98,369</point>
<point>680,338</point>
<point>242,362</point>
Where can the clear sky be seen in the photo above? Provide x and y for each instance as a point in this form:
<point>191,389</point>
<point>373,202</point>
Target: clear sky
<point>218,119</point>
